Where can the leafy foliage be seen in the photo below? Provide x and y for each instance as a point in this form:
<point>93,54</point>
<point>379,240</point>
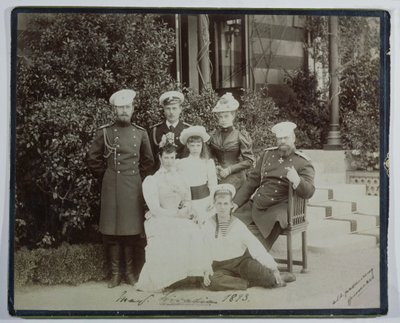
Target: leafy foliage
<point>67,264</point>
<point>257,115</point>
<point>69,66</point>
<point>306,109</point>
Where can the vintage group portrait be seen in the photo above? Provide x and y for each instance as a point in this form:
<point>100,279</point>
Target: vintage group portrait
<point>198,162</point>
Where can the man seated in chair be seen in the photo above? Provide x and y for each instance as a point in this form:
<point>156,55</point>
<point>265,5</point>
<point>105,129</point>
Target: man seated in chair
<point>263,198</point>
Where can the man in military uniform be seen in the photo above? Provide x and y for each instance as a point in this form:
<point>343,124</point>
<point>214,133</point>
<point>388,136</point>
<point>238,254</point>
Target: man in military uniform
<point>171,101</point>
<point>121,155</point>
<point>263,197</point>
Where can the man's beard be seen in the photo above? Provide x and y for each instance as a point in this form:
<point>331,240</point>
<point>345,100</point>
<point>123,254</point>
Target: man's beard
<point>285,150</point>
<point>123,120</point>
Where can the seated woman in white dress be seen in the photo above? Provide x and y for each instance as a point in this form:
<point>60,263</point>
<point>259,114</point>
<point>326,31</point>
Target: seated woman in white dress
<point>198,170</point>
<point>175,245</point>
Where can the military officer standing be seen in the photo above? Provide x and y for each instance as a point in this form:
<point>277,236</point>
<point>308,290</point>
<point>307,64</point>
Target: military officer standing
<point>171,101</point>
<point>121,155</point>
<point>263,197</point>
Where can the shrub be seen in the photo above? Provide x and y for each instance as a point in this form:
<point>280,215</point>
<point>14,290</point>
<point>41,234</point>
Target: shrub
<point>306,109</point>
<point>56,193</point>
<point>69,67</point>
<point>67,264</point>
<point>197,110</point>
<point>24,267</point>
<point>257,115</point>
<point>359,105</point>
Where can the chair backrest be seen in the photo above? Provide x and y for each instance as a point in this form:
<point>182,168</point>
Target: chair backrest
<point>297,209</point>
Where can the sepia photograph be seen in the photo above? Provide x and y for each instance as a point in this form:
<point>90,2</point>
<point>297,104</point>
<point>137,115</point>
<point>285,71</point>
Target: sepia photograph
<point>199,163</point>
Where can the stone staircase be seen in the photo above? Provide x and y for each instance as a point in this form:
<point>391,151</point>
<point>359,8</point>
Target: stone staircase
<point>341,216</point>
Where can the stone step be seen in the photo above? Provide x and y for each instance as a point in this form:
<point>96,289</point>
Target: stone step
<point>321,194</point>
<point>349,242</point>
<point>360,220</point>
<point>328,228</point>
<point>368,204</point>
<point>346,192</point>
<point>316,213</point>
<point>374,232</point>
<point>327,179</point>
<point>334,207</point>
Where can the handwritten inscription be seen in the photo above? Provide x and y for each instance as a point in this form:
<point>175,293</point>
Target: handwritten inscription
<point>356,288</point>
<point>173,299</point>
<point>236,298</point>
<point>138,301</point>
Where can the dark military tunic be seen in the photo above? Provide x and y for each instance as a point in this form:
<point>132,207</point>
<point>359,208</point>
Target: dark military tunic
<point>160,129</point>
<point>122,155</point>
<point>268,188</point>
<point>232,148</point>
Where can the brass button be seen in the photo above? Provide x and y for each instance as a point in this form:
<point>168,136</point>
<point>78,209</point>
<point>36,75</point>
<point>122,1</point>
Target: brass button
<point>118,146</point>
<point>119,154</point>
<point>276,191</point>
<point>134,163</point>
<point>119,172</point>
<point>290,160</point>
<point>272,198</point>
<point>279,182</point>
<point>133,171</point>
<point>115,129</point>
<point>119,163</point>
<point>134,145</point>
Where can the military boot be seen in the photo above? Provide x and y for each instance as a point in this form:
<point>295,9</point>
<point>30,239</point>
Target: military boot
<point>130,276</point>
<point>114,251</point>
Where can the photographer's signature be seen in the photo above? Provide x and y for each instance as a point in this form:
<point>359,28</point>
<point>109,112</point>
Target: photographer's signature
<point>356,288</point>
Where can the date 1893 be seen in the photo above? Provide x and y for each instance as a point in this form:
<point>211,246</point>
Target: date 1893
<point>236,298</point>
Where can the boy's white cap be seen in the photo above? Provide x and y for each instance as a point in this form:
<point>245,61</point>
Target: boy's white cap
<point>283,129</point>
<point>225,188</point>
<point>122,97</point>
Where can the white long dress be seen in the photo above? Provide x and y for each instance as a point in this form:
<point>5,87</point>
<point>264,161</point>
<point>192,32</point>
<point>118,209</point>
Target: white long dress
<point>197,172</point>
<point>175,246</point>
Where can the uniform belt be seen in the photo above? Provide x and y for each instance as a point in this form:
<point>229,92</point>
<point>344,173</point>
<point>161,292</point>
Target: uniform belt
<point>124,171</point>
<point>199,192</point>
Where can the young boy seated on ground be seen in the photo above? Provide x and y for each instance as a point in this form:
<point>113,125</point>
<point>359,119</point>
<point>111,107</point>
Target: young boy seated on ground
<point>238,258</point>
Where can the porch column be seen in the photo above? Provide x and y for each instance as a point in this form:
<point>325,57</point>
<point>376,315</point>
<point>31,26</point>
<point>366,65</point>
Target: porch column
<point>203,56</point>
<point>334,141</point>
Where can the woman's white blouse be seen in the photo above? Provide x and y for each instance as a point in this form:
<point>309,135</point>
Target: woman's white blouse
<point>163,192</point>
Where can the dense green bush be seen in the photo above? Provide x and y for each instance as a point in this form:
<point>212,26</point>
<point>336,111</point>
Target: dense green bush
<point>198,107</point>
<point>359,103</point>
<point>257,115</point>
<point>69,66</point>
<point>57,195</point>
<point>307,110</point>
<point>67,264</point>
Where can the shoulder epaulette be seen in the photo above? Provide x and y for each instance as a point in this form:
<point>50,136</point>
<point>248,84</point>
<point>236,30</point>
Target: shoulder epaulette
<point>301,154</point>
<point>271,148</point>
<point>139,127</point>
<point>157,124</point>
<point>186,124</point>
<point>105,126</point>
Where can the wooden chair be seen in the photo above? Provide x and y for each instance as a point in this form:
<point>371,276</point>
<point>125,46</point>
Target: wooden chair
<point>297,222</point>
